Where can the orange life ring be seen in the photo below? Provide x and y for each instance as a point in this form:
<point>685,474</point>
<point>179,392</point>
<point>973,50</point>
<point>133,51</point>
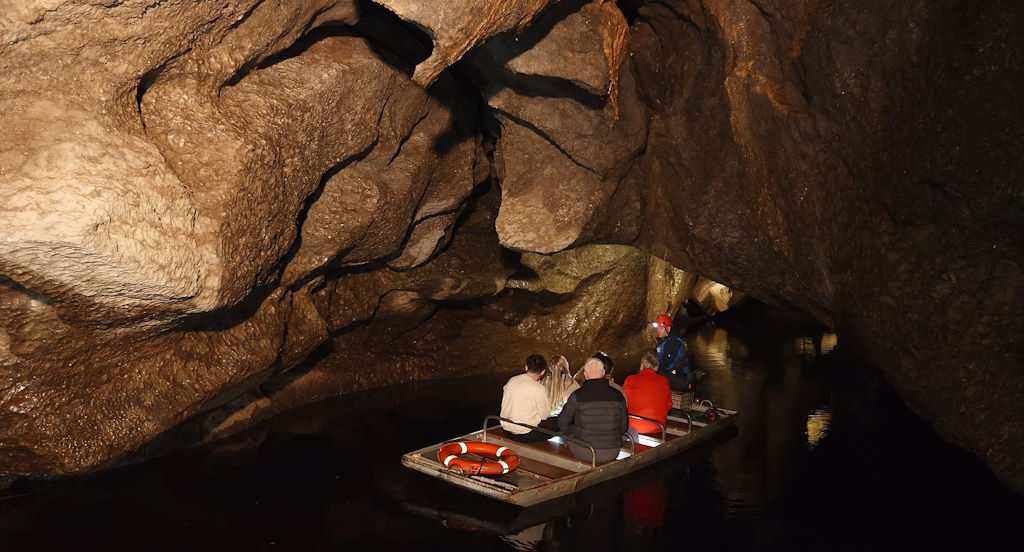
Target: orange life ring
<point>711,414</point>
<point>506,459</point>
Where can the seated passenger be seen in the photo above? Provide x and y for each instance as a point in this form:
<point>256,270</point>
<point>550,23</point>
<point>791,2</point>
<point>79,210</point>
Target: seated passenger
<point>609,366</point>
<point>649,395</point>
<point>595,413</point>
<point>525,400</point>
<point>559,383</point>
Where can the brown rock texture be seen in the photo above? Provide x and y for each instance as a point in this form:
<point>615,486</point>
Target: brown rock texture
<point>854,161</point>
<point>236,207</point>
<point>471,311</point>
<point>713,297</point>
<point>150,219</point>
<point>457,25</point>
<point>563,150</point>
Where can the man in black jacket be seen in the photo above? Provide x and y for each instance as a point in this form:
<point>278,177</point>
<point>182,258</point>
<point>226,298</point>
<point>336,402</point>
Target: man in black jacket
<point>595,413</point>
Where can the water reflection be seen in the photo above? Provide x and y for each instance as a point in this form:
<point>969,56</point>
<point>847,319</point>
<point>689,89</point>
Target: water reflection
<point>774,388</point>
<point>817,425</point>
<point>596,528</point>
<point>645,506</point>
<point>710,346</point>
<point>817,344</point>
<point>828,342</point>
<point>820,447</point>
<point>531,538</point>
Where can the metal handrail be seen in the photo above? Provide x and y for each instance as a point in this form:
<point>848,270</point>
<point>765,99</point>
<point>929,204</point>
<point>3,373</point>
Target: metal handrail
<point>632,443</point>
<point>593,453</point>
<point>689,422</point>
<point>652,420</point>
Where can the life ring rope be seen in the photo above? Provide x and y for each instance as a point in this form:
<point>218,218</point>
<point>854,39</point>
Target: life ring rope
<point>504,460</point>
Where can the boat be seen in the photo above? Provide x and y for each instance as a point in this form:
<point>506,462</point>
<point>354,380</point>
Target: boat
<point>547,470</point>
<point>472,512</point>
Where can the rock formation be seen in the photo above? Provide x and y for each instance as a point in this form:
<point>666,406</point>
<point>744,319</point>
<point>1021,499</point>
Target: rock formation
<point>256,204</point>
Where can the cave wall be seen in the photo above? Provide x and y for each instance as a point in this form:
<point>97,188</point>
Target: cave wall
<point>152,262</point>
<point>854,161</point>
<point>198,200</point>
<point>858,162</point>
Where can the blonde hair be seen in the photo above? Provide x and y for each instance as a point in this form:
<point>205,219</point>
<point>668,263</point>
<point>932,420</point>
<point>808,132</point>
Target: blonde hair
<point>558,371</point>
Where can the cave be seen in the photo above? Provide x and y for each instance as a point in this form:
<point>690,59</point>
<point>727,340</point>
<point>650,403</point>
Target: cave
<point>216,215</point>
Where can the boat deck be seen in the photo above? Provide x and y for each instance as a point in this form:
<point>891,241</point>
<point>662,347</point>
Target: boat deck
<point>549,470</point>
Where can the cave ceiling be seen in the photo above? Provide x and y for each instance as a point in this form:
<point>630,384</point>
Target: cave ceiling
<point>196,198</point>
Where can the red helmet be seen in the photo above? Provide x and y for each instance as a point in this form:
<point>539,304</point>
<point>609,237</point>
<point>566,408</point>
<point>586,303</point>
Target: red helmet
<point>662,321</point>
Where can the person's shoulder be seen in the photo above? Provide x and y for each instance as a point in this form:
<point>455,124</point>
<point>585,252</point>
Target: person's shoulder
<point>611,389</point>
<point>521,379</point>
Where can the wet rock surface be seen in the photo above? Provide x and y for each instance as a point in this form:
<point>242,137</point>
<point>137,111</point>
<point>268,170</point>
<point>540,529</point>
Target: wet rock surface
<point>242,207</point>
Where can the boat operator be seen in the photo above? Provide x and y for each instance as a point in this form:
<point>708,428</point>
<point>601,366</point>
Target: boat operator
<point>671,351</point>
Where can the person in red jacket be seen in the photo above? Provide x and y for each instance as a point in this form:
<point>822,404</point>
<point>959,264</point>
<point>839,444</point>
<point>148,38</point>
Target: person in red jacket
<point>649,394</point>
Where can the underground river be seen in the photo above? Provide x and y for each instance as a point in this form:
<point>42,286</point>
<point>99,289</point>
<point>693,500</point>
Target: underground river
<point>826,457</point>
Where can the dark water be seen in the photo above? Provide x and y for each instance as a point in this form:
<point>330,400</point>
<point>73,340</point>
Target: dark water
<point>826,457</point>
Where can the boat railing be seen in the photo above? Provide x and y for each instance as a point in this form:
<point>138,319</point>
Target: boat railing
<point>632,443</point>
<point>593,453</point>
<point>653,421</point>
<point>689,422</point>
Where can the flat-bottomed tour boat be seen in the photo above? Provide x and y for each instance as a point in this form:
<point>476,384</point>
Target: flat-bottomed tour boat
<point>530,473</point>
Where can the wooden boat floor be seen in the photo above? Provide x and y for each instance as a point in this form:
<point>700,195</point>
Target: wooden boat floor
<point>543,469</point>
<point>549,447</point>
<point>558,449</point>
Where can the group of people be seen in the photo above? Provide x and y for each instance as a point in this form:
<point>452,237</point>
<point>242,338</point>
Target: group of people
<point>590,406</point>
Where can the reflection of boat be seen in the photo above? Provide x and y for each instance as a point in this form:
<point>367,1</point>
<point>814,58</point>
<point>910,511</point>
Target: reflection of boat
<point>548,469</point>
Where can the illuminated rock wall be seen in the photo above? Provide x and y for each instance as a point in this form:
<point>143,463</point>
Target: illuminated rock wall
<point>195,199</point>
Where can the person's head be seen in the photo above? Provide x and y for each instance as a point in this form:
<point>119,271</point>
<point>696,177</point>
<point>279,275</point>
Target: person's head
<point>559,366</point>
<point>536,365</point>
<point>606,361</point>
<point>649,360</point>
<point>662,325</point>
<point>593,368</point>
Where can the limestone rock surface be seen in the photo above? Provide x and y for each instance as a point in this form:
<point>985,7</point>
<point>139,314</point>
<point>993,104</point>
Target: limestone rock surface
<point>853,161</point>
<point>713,297</point>
<point>232,207</point>
<point>457,25</point>
<point>563,149</point>
<point>153,202</point>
